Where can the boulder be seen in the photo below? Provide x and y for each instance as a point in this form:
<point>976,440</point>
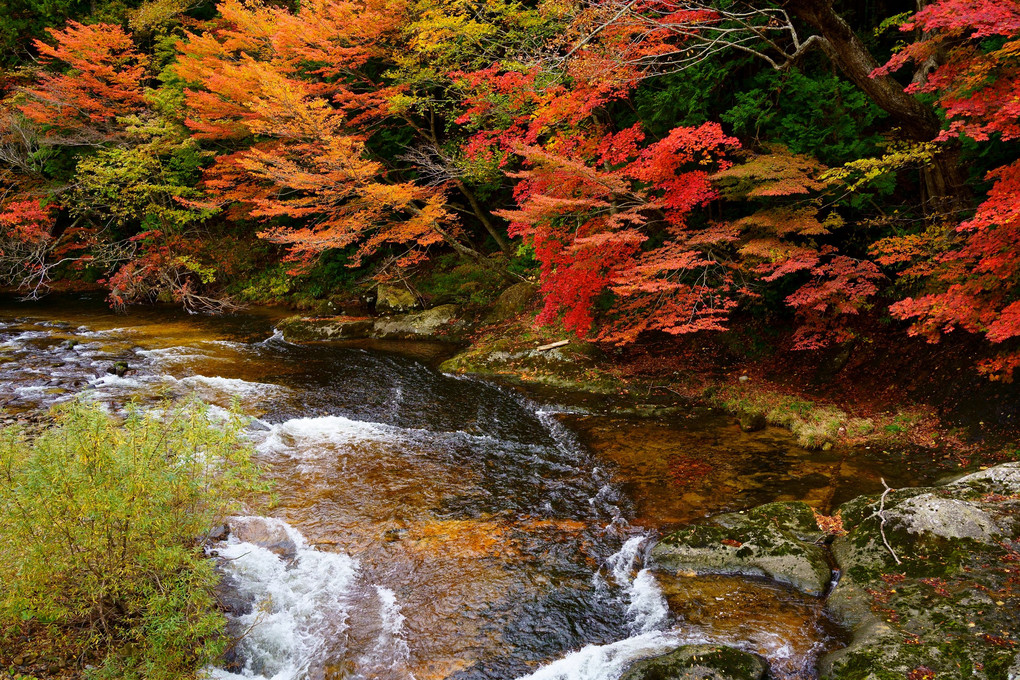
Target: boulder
<point>765,542</point>
<point>752,422</point>
<point>1003,479</point>
<point>437,321</point>
<point>264,532</point>
<point>926,581</point>
<point>513,301</point>
<point>302,329</point>
<point>230,598</point>
<point>390,299</point>
<point>699,662</point>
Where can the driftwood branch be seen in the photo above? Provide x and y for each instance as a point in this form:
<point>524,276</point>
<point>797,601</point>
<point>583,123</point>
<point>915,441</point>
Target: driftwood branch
<point>881,525</point>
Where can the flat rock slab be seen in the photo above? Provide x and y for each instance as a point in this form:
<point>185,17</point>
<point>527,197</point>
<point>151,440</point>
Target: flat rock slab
<point>763,543</point>
<point>699,662</point>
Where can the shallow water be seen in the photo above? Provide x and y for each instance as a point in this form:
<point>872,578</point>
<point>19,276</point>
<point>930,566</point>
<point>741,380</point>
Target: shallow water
<point>445,527</point>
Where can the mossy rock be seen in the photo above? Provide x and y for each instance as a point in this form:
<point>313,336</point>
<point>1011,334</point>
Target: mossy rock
<point>750,544</point>
<point>752,422</point>
<point>302,329</point>
<point>795,517</point>
<point>513,301</point>
<point>699,662</point>
<point>930,587</point>
<point>391,299</point>
<point>442,321</point>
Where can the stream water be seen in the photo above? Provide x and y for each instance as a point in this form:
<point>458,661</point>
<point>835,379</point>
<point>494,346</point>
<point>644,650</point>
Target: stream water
<point>446,527</point>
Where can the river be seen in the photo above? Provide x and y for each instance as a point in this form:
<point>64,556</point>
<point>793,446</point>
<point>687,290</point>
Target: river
<point>447,527</point>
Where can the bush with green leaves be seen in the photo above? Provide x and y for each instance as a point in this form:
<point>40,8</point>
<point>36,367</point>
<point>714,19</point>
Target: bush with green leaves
<point>102,525</point>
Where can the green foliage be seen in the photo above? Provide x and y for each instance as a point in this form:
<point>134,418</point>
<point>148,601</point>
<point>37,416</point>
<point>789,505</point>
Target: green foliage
<point>141,184</point>
<point>822,115</point>
<point>101,527</point>
<point>454,279</point>
<point>693,97</point>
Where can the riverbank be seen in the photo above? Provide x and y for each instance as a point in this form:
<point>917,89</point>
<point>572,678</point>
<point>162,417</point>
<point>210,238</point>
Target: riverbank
<point>927,402</point>
<point>382,462</point>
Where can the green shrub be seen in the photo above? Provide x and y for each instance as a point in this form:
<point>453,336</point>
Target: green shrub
<point>101,531</point>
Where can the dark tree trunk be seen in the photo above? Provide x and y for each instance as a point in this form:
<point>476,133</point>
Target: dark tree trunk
<point>942,179</point>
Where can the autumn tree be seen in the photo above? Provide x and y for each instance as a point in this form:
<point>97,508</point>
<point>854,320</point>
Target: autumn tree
<point>791,234</point>
<point>972,275</point>
<point>293,93</point>
<point>679,34</point>
<point>99,77</point>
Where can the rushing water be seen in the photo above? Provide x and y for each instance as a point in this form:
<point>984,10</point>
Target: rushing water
<point>435,526</point>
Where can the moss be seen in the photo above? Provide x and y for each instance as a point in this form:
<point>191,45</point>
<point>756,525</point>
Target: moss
<point>699,661</point>
<point>751,544</point>
<point>949,605</point>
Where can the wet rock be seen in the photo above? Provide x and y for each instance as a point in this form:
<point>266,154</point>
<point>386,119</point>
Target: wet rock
<point>265,533</point>
<point>764,542</point>
<point>302,329</point>
<point>699,662</point>
<point>230,598</point>
<point>926,581</point>
<point>219,533</point>
<point>752,422</point>
<point>513,301</point>
<point>441,320</point>
<point>391,299</point>
<point>119,369</point>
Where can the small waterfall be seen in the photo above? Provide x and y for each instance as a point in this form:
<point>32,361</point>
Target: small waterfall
<point>292,609</point>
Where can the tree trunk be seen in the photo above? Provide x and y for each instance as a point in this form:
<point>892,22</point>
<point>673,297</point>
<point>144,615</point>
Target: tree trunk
<point>942,179</point>
<point>483,216</point>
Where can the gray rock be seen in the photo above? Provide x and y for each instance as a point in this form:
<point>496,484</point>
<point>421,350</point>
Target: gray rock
<point>755,544</point>
<point>264,532</point>
<point>1003,478</point>
<point>699,662</point>
<point>926,587</point>
<point>219,533</point>
<point>230,598</point>
<point>943,517</point>
<point>441,320</point>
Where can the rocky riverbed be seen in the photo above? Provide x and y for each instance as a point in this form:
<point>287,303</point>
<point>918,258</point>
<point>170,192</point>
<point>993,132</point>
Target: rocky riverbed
<point>926,580</point>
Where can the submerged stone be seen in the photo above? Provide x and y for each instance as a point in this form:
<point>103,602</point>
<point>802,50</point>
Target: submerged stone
<point>699,662</point>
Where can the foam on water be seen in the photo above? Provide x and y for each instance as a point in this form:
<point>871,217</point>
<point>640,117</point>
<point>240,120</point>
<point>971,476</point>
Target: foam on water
<point>391,651</point>
<point>298,608</point>
<point>230,386</point>
<point>606,662</point>
<point>299,433</point>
